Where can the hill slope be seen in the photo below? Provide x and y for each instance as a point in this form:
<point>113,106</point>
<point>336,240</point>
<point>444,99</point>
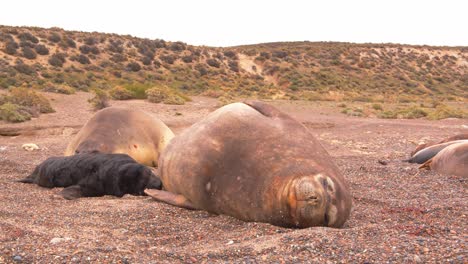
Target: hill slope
<point>55,60</point>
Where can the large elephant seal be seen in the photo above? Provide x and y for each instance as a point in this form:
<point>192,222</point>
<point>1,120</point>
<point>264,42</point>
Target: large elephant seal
<point>428,153</point>
<point>123,130</point>
<point>425,145</point>
<point>452,160</point>
<point>255,163</point>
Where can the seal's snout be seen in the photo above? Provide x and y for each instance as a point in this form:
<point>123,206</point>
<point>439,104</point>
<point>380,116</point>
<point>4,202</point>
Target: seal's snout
<point>310,201</point>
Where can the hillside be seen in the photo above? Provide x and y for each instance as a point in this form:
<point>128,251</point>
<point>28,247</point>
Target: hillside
<point>63,61</point>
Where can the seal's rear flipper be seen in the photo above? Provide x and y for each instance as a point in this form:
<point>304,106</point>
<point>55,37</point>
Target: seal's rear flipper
<point>426,165</point>
<point>170,198</point>
<point>29,179</point>
<point>72,192</point>
<point>265,109</point>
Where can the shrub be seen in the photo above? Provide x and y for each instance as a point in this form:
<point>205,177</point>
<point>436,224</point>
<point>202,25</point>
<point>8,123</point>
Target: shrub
<point>41,49</point>
<point>412,113</point>
<point>85,49</point>
<point>201,69</point>
<point>443,111</point>
<point>83,59</point>
<point>54,88</point>
<point>170,59</point>
<point>165,95</point>
<point>377,107</point>
<point>29,98</point>
<point>133,66</point>
<point>117,57</point>
<point>11,47</point>
<point>387,115</point>
<point>54,37</point>
<point>100,99</point>
<point>213,63</point>
<point>29,53</point>
<point>146,60</point>
<point>70,42</point>
<point>187,59</point>
<point>26,36</point>
<point>13,113</point>
<point>234,66</point>
<point>157,94</point>
<point>120,93</point>
<point>24,68</point>
<point>57,59</point>
<point>230,54</point>
<point>90,41</point>
<point>279,54</point>
<point>27,44</point>
<point>174,99</point>
<point>177,46</point>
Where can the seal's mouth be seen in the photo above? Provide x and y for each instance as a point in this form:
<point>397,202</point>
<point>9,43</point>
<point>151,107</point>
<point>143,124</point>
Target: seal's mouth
<point>309,200</point>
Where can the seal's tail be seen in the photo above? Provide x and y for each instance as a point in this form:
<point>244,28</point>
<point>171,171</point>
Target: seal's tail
<point>29,179</point>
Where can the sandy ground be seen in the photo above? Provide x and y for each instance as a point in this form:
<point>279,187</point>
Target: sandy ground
<point>400,214</point>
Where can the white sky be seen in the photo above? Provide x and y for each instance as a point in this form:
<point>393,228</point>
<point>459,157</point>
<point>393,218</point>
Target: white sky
<point>228,22</point>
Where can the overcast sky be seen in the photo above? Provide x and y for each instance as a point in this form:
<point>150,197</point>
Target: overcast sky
<point>229,23</point>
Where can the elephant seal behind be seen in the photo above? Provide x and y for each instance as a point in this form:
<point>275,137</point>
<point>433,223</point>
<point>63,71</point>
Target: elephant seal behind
<point>452,160</point>
<point>123,130</point>
<point>255,163</point>
<point>425,145</point>
<point>428,153</point>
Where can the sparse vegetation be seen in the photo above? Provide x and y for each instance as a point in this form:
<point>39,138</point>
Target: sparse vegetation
<point>361,73</point>
<point>13,113</point>
<point>120,93</point>
<point>100,99</point>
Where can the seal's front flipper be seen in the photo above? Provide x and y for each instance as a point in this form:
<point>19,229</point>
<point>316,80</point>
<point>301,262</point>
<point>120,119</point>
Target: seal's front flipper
<point>426,165</point>
<point>265,109</point>
<point>72,192</point>
<point>170,198</point>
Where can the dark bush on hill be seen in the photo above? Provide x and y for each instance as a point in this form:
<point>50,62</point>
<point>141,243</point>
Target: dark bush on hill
<point>177,46</point>
<point>28,53</point>
<point>57,59</point>
<point>54,37</point>
<point>41,49</point>
<point>26,36</point>
<point>133,66</point>
<point>170,59</point>
<point>213,63</point>
<point>11,47</point>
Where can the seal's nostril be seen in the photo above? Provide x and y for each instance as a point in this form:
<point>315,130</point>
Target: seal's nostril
<point>312,197</point>
<point>325,219</point>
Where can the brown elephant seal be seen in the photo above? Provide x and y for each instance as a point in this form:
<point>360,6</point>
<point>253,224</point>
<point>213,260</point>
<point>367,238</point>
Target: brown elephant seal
<point>123,130</point>
<point>428,153</point>
<point>425,145</point>
<point>452,160</point>
<point>255,163</point>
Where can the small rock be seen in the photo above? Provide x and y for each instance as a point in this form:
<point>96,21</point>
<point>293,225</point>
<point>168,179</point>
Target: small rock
<point>425,250</point>
<point>56,240</point>
<point>3,148</point>
<point>30,146</point>
<point>17,258</point>
<point>383,162</point>
<point>230,242</point>
<point>416,258</point>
